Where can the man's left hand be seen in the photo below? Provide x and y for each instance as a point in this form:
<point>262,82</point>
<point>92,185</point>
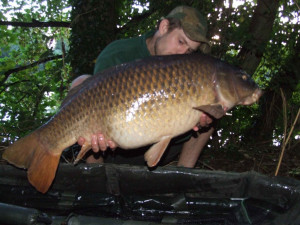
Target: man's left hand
<point>204,121</point>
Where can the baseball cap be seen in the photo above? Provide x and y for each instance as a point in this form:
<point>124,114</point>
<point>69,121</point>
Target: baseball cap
<point>194,25</point>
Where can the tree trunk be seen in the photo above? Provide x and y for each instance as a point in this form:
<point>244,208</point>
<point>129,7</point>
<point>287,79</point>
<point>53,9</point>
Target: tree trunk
<point>260,30</point>
<point>94,25</point>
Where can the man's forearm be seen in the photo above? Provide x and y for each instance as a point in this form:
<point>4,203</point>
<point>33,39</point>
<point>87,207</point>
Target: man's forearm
<point>192,149</point>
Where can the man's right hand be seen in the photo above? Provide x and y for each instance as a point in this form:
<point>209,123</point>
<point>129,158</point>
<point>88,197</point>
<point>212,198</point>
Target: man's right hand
<point>98,142</point>
<point>204,121</point>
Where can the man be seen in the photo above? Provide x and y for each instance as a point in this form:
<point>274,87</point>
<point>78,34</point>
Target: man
<point>183,31</point>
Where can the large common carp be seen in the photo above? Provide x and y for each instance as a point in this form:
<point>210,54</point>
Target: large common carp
<point>134,104</point>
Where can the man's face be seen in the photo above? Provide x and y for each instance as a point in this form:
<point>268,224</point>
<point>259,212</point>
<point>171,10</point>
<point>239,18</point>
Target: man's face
<point>174,42</point>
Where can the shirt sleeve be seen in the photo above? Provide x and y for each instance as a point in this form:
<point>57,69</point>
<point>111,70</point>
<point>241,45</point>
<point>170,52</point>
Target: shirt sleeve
<point>106,59</point>
<point>121,51</point>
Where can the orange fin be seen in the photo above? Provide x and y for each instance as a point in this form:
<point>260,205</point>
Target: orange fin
<point>29,153</point>
<point>153,155</point>
<point>42,169</point>
<point>20,153</point>
<point>216,111</point>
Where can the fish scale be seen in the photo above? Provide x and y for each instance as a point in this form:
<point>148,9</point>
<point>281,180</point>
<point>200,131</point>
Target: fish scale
<point>148,101</point>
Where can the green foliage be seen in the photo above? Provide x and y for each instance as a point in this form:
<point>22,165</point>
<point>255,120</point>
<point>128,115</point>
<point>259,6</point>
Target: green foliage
<point>29,96</point>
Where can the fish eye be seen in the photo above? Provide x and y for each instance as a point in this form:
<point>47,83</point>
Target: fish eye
<point>244,77</point>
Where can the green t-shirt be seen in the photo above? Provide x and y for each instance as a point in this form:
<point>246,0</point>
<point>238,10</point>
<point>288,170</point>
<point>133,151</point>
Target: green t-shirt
<point>123,51</point>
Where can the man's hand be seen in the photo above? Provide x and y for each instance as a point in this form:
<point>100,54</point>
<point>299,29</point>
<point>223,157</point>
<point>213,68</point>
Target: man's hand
<point>98,142</point>
<point>204,121</point>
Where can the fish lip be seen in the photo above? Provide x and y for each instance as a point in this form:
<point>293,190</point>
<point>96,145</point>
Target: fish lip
<point>260,92</point>
<point>257,94</point>
<point>253,98</point>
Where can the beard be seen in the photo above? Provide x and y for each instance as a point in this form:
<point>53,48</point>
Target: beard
<point>156,46</point>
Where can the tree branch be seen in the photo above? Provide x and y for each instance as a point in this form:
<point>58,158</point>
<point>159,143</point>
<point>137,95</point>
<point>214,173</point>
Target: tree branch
<point>12,84</point>
<point>9,72</point>
<point>136,20</point>
<point>36,23</point>
<point>260,29</point>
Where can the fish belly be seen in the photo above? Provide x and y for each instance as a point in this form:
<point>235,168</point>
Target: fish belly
<point>143,128</point>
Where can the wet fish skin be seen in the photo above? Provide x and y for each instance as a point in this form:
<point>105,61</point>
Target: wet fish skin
<point>135,104</point>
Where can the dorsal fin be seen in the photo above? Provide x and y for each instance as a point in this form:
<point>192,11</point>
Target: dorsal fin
<point>72,92</point>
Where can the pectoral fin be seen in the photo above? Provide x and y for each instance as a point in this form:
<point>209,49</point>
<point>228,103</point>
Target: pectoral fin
<point>153,155</point>
<point>216,111</point>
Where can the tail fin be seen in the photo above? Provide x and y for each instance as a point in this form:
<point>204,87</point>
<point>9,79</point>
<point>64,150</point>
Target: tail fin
<point>30,154</point>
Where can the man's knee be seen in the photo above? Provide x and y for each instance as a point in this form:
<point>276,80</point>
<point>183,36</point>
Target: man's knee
<point>79,80</point>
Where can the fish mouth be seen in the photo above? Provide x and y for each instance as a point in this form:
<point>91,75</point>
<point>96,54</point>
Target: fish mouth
<point>252,98</point>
